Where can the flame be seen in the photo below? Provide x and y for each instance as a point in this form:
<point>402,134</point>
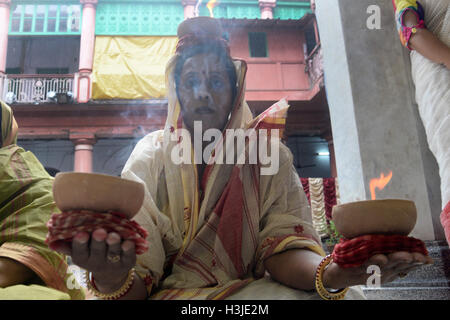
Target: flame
<point>379,183</point>
<point>210,5</point>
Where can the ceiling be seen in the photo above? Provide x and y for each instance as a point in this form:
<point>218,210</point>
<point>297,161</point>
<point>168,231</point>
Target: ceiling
<point>305,118</point>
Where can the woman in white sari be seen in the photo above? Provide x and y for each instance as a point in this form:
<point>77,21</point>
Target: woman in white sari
<point>219,231</point>
<point>430,61</point>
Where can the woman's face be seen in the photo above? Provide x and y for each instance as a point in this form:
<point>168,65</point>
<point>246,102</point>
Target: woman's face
<point>205,92</point>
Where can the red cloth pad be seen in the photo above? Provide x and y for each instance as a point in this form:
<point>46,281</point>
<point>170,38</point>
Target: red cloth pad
<point>64,226</point>
<point>354,252</point>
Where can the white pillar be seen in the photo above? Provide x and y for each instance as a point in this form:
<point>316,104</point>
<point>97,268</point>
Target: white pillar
<point>266,8</point>
<point>189,8</point>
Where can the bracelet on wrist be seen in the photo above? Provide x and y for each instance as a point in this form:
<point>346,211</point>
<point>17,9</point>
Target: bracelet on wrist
<point>321,290</point>
<point>123,290</point>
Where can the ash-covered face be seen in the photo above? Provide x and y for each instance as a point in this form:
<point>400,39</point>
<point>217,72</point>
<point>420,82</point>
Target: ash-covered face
<point>205,92</point>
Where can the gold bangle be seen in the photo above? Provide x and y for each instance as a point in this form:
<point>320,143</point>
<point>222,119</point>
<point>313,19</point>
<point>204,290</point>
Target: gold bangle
<point>114,295</point>
<point>324,293</point>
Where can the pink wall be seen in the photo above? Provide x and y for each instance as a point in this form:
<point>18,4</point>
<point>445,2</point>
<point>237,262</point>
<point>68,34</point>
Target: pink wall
<point>87,42</point>
<point>282,72</point>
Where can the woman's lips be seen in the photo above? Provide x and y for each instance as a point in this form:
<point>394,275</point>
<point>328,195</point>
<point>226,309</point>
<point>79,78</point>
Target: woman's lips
<point>204,110</point>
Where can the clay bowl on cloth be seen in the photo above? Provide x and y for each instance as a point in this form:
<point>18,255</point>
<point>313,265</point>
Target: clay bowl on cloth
<point>97,192</point>
<point>387,216</point>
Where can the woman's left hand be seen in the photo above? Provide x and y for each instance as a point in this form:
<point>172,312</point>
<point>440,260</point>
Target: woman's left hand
<point>391,266</point>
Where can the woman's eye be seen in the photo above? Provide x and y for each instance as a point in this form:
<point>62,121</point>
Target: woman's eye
<point>216,83</point>
<point>191,83</point>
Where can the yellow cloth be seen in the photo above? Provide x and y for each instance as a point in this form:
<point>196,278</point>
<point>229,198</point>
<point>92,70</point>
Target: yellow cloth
<point>26,203</point>
<point>6,117</point>
<point>31,292</point>
<point>130,67</point>
<point>403,4</point>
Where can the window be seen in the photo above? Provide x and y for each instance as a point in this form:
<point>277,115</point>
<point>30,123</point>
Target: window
<point>63,18</point>
<point>257,42</point>
<point>40,18</point>
<point>28,18</point>
<point>45,19</point>
<point>51,20</point>
<point>69,18</point>
<point>16,18</point>
<point>75,18</point>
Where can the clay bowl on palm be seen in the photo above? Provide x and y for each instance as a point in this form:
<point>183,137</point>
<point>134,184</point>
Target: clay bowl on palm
<point>97,192</point>
<point>387,216</point>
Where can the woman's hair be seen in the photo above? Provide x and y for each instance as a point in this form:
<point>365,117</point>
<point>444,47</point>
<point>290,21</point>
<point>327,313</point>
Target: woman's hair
<point>213,48</point>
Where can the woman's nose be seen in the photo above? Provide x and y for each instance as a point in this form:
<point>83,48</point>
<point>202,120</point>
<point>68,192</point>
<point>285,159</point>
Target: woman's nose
<point>202,92</point>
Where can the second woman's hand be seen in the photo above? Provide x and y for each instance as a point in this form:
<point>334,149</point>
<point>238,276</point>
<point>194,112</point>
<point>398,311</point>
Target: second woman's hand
<point>105,255</point>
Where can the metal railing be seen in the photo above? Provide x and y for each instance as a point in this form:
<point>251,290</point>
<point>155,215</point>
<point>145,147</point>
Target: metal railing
<point>35,88</point>
<point>314,65</point>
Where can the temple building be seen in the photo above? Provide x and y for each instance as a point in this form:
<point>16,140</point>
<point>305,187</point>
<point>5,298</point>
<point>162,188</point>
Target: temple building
<point>85,79</point>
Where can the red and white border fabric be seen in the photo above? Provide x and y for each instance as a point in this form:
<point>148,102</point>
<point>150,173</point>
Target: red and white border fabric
<point>322,194</point>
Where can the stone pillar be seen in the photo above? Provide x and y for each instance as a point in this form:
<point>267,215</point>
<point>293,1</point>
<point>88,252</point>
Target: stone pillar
<point>375,123</point>
<point>87,45</point>
<point>332,159</point>
<point>84,147</point>
<point>266,7</point>
<point>4,27</point>
<point>329,138</point>
<point>189,8</point>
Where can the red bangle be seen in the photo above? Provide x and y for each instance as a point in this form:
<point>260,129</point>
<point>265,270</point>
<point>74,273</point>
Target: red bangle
<point>409,31</point>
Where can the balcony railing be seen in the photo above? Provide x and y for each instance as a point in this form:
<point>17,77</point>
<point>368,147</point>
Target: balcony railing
<point>36,89</point>
<point>314,65</point>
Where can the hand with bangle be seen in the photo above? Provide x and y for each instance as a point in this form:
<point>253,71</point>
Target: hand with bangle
<point>392,266</point>
<point>307,270</point>
<point>109,262</point>
<point>424,41</point>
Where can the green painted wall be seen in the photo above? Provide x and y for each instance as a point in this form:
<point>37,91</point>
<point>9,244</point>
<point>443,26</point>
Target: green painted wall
<point>158,17</point>
<point>141,18</point>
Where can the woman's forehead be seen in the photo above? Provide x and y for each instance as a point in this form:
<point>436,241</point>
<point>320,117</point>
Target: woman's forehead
<point>204,62</point>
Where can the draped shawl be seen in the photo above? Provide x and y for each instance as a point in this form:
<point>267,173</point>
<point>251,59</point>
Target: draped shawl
<point>209,240</point>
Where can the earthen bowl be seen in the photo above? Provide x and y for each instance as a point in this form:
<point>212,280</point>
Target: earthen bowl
<point>97,192</point>
<point>200,26</point>
<point>387,216</point>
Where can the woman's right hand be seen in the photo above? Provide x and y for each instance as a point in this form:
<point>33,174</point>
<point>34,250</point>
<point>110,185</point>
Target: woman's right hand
<point>105,255</point>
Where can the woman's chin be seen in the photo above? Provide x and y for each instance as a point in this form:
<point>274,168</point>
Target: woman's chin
<point>208,121</point>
